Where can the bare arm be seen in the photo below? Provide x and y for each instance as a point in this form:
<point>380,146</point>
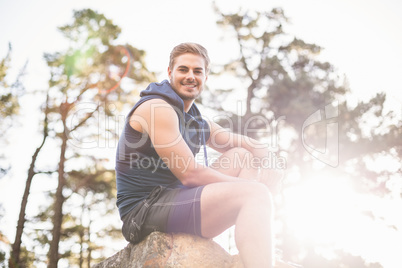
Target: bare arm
<point>223,140</point>
<point>159,120</point>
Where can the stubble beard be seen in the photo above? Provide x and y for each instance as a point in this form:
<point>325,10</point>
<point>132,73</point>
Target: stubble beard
<point>190,96</point>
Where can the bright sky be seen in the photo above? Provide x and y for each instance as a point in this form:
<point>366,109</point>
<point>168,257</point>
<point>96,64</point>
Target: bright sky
<point>362,38</point>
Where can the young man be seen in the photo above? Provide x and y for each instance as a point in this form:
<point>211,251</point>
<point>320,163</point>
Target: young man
<point>161,186</point>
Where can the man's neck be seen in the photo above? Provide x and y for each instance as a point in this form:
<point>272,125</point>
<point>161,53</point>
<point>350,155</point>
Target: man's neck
<point>187,105</point>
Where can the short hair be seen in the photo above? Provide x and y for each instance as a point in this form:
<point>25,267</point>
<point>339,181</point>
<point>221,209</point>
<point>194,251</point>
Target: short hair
<point>192,48</point>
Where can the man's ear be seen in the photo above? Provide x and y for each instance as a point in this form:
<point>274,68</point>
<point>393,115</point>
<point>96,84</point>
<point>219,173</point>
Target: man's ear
<point>169,73</point>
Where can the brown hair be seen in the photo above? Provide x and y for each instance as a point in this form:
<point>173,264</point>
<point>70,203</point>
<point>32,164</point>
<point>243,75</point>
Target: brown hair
<point>192,48</point>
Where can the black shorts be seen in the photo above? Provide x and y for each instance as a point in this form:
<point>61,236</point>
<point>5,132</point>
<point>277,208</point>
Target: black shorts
<point>166,210</point>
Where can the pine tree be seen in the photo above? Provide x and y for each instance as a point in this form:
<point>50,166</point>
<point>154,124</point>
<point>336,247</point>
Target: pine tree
<point>81,114</point>
<point>299,105</point>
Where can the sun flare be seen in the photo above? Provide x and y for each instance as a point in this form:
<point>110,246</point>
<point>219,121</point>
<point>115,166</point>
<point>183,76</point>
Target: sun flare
<point>327,212</point>
<point>320,209</point>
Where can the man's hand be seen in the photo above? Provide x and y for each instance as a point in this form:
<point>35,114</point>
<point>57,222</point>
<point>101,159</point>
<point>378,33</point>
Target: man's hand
<point>272,178</point>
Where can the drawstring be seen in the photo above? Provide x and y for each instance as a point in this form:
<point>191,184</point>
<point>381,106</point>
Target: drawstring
<point>203,143</point>
<point>200,123</point>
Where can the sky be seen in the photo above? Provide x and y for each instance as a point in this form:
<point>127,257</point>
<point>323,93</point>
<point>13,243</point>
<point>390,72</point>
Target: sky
<point>361,38</point>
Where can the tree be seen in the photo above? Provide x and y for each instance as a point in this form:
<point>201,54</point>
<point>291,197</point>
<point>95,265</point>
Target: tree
<point>95,191</point>
<point>15,258</point>
<point>89,196</point>
<point>9,105</point>
<point>86,73</point>
<point>288,85</point>
<point>81,111</point>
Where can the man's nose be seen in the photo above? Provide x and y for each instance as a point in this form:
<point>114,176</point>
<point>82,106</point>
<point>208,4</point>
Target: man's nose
<point>190,76</point>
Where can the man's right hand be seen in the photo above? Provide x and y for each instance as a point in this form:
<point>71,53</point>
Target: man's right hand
<point>272,178</point>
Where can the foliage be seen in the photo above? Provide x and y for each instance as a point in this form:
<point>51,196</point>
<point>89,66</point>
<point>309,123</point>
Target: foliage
<point>288,86</point>
<point>83,87</point>
<point>3,240</point>
<point>88,82</point>
<point>95,78</point>
<point>9,109</point>
<point>9,105</point>
<point>9,93</point>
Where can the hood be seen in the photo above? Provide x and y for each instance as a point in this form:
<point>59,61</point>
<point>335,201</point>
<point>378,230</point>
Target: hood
<point>164,91</point>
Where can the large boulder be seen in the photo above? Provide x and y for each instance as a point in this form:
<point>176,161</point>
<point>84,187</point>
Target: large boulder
<point>172,250</point>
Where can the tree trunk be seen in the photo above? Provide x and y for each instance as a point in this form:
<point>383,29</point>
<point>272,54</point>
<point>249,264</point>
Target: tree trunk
<point>14,260</point>
<point>58,206</point>
<point>81,261</point>
<point>16,249</point>
<point>250,96</point>
<point>89,256</point>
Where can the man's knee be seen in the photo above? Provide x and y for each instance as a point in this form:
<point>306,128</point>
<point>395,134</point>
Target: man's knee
<point>241,158</point>
<point>260,192</point>
<point>233,161</point>
<point>252,194</point>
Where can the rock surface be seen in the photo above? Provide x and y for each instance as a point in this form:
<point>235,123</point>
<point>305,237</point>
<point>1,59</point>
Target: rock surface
<point>172,250</point>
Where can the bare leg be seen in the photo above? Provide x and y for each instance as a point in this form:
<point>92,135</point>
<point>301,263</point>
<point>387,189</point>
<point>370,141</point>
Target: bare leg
<point>248,206</point>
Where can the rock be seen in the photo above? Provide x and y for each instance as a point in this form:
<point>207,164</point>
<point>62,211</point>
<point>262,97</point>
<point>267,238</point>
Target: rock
<point>172,250</point>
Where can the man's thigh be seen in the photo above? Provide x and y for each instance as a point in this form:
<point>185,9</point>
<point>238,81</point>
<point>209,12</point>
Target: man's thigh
<point>221,203</point>
<point>176,211</point>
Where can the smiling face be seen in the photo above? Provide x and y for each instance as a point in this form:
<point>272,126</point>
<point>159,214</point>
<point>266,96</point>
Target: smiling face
<point>188,76</point>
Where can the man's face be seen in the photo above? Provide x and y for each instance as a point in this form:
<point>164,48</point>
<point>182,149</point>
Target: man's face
<point>188,76</point>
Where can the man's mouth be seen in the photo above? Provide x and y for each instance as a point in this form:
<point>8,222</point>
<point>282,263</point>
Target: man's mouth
<point>190,85</point>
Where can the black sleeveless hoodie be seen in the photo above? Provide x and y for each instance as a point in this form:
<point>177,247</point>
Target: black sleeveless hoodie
<point>139,169</point>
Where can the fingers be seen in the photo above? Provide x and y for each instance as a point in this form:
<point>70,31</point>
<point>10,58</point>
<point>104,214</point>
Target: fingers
<point>272,178</point>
